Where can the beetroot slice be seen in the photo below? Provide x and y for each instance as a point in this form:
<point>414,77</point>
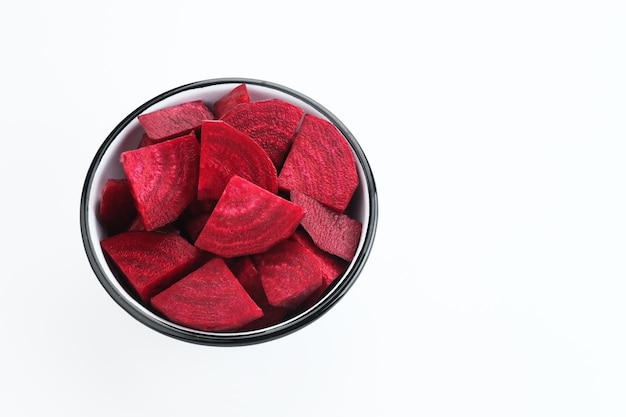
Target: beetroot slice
<point>150,261</point>
<point>145,141</point>
<point>249,277</point>
<point>174,121</point>
<point>209,298</point>
<point>163,178</point>
<point>289,274</point>
<point>197,207</point>
<point>332,266</point>
<point>320,163</point>
<point>192,226</point>
<point>271,316</point>
<point>236,96</point>
<point>194,217</point>
<point>117,205</point>
<point>137,226</point>
<point>333,232</point>
<point>270,123</point>
<point>226,151</point>
<point>248,219</point>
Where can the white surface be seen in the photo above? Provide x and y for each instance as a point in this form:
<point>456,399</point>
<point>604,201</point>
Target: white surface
<point>496,133</point>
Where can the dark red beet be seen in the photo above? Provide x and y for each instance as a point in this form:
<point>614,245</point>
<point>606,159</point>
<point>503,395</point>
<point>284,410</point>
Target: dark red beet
<point>192,226</point>
<point>332,232</point>
<point>248,275</point>
<point>332,266</point>
<point>150,261</point>
<point>270,123</point>
<point>226,151</point>
<point>194,217</point>
<point>271,315</point>
<point>145,141</point>
<point>163,178</point>
<point>229,101</point>
<point>117,205</point>
<point>137,226</point>
<point>248,219</point>
<point>320,163</point>
<point>210,299</point>
<point>174,121</point>
<point>289,273</point>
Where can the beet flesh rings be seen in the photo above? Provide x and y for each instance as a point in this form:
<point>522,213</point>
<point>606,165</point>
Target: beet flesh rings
<point>320,164</point>
<point>248,220</point>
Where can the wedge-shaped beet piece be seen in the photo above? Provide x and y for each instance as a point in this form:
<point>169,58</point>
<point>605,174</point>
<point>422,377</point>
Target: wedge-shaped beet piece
<point>333,232</point>
<point>163,178</point>
<point>192,226</point>
<point>332,266</point>
<point>289,274</point>
<point>248,219</point>
<point>249,277</point>
<point>271,123</point>
<point>246,272</point>
<point>137,226</point>
<point>210,299</point>
<point>194,217</point>
<point>197,207</point>
<point>174,121</point>
<point>145,141</point>
<point>226,151</point>
<point>270,317</point>
<point>117,205</point>
<point>150,261</point>
<point>321,164</point>
<point>236,96</point>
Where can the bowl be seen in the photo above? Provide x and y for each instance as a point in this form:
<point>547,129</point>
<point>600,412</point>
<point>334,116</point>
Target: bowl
<point>127,135</point>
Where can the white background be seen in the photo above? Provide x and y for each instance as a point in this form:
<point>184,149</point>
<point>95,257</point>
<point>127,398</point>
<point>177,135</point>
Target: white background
<point>497,137</point>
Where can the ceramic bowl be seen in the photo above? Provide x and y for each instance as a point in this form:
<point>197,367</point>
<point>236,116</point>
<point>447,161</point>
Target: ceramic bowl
<point>127,135</point>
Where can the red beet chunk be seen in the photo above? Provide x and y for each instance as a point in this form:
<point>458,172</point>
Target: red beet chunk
<point>249,277</point>
<point>163,178</point>
<point>320,163</point>
<point>137,226</point>
<point>248,219</point>
<point>150,261</point>
<point>117,205</point>
<point>226,151</point>
<point>197,207</point>
<point>289,274</point>
<point>174,121</point>
<point>271,316</point>
<point>333,232</point>
<point>270,123</point>
<point>145,141</point>
<point>192,226</point>
<point>236,96</point>
<point>332,266</point>
<point>194,217</point>
<point>210,299</point>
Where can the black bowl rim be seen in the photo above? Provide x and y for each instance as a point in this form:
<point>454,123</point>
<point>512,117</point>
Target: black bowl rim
<point>234,338</point>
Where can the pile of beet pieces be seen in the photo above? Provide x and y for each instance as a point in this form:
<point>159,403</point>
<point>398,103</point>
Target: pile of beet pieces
<point>231,216</point>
